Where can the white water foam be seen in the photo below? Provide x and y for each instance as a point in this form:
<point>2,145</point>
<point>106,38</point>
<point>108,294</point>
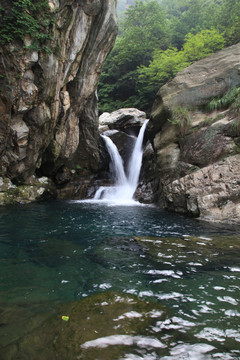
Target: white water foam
<point>127,340</point>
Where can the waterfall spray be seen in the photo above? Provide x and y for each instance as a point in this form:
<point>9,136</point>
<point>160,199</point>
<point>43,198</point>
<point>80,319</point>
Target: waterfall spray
<point>125,186</point>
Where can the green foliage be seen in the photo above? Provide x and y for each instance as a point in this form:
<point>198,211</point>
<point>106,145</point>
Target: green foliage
<point>228,21</point>
<point>236,149</point>
<point>232,97</point>
<point>143,29</point>
<point>189,16</point>
<point>203,44</point>
<point>157,40</point>
<point>181,118</point>
<point>24,18</point>
<point>166,64</point>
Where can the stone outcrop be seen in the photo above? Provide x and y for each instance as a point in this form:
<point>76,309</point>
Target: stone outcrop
<point>128,120</point>
<point>197,84</point>
<point>212,192</point>
<point>37,189</point>
<point>48,103</point>
<point>197,151</point>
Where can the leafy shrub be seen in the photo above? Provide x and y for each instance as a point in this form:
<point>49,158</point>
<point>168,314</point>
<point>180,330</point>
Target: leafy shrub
<point>167,63</point>
<point>26,18</point>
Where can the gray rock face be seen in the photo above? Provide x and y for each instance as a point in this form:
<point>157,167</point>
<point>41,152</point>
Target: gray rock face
<point>49,117</point>
<point>212,192</point>
<point>197,163</point>
<point>197,84</point>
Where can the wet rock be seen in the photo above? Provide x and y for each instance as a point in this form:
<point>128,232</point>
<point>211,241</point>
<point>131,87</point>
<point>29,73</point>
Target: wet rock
<point>82,187</point>
<point>146,191</point>
<point>125,144</point>
<point>35,189</point>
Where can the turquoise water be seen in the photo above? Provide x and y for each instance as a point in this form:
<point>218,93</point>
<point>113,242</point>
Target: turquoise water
<point>54,253</point>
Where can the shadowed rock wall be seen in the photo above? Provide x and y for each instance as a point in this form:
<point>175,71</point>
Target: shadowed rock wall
<point>48,105</point>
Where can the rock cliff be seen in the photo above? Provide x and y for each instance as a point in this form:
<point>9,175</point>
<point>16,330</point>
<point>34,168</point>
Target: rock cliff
<point>48,102</point>
<point>196,147</point>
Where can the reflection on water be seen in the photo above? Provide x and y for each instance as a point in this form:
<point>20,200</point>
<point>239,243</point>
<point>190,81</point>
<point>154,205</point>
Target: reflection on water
<point>136,283</point>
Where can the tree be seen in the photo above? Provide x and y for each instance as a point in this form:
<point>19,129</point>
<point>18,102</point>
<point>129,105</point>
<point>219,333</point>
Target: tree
<point>143,29</point>
<point>228,21</point>
<point>203,44</point>
<point>187,16</point>
<point>166,64</point>
<point>159,39</point>
<point>163,67</point>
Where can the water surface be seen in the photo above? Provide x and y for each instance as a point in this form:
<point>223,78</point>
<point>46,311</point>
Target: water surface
<point>150,284</point>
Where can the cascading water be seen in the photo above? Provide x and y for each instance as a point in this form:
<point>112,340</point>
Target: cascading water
<point>123,190</point>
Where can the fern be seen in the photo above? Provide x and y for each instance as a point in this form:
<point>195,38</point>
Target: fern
<point>232,97</point>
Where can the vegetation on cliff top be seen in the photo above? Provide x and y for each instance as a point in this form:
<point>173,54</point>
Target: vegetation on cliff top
<point>22,18</point>
<point>156,40</point>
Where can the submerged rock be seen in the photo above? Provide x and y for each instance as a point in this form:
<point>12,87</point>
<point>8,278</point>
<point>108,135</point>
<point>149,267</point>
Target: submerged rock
<point>182,256</point>
<point>95,324</point>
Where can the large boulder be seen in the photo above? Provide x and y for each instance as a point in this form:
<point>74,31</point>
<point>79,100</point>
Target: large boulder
<point>197,85</point>
<point>196,151</point>
<point>128,120</point>
<point>212,192</point>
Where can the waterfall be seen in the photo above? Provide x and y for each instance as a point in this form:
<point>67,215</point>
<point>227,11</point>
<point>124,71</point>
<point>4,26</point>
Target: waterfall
<point>135,163</point>
<point>117,163</point>
<point>125,185</point>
